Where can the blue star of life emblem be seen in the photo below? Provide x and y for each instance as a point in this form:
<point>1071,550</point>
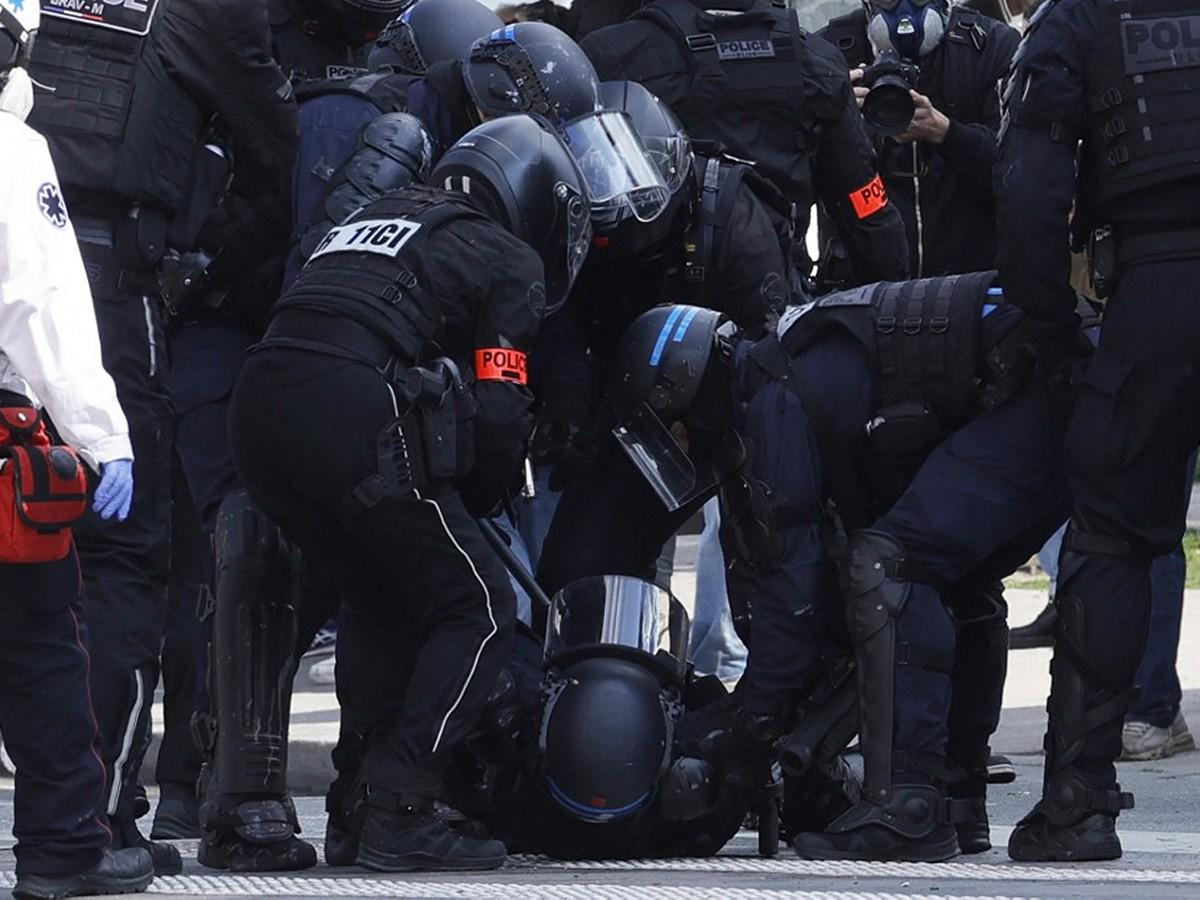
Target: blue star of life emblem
<point>50,202</point>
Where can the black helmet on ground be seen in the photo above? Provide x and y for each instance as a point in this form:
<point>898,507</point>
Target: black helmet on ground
<point>354,21</point>
<point>431,31</point>
<point>663,364</point>
<point>521,174</point>
<point>616,657</point>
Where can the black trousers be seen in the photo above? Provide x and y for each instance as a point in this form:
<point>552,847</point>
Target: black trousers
<point>125,563</point>
<point>429,609</point>
<point>47,720</point>
<point>1133,429</point>
<point>207,351</point>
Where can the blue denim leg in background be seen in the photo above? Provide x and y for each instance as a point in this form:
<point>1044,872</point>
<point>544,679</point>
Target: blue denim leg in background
<point>1048,556</point>
<point>716,649</point>
<point>1160,693</point>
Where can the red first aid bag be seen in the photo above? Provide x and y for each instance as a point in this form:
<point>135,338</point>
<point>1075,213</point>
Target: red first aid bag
<point>43,489</point>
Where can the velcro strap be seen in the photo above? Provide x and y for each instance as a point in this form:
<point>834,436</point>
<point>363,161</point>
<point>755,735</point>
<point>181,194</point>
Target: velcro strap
<point>955,812</point>
<point>1091,543</point>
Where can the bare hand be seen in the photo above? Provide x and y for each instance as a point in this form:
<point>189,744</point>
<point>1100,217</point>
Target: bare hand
<point>928,123</point>
<point>860,92</point>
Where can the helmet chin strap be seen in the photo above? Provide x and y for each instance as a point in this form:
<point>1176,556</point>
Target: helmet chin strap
<point>17,96</point>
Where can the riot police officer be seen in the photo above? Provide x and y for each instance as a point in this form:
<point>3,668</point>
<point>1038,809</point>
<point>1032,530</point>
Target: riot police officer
<point>936,136</point>
<point>50,354</point>
<point>319,39</point>
<point>1120,78</point>
<point>746,76</point>
<point>334,112</point>
<point>720,243</point>
<point>129,170</point>
<point>400,354</point>
<point>911,433</point>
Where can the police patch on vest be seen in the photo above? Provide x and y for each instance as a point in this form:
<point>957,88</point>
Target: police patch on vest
<point>130,16</point>
<point>1155,45</point>
<point>341,73</point>
<point>762,48</point>
<point>383,236</point>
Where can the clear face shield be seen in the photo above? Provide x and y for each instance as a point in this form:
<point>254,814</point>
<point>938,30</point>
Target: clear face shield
<point>617,611</point>
<point>660,459</point>
<point>573,207</point>
<point>616,166</point>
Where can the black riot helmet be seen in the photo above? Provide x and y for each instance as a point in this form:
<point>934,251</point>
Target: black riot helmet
<point>616,659</point>
<point>667,143</point>
<point>663,364</point>
<point>521,174</point>
<point>356,21</point>
<point>535,68</point>
<point>531,67</point>
<point>431,31</point>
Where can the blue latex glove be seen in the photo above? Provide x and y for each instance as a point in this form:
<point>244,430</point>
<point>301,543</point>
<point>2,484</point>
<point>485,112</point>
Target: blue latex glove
<point>114,494</point>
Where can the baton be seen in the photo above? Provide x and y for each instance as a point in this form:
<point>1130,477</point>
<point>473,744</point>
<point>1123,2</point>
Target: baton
<point>516,568</point>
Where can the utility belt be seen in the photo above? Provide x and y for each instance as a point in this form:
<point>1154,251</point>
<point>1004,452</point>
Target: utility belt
<point>1109,253</point>
<point>112,268</point>
<point>43,486</point>
<point>430,443</point>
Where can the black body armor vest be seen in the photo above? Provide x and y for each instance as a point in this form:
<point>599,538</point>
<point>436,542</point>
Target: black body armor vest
<point>923,336</point>
<point>375,269</point>
<point>387,90</point>
<point>305,55</point>
<point>1143,93</point>
<point>116,123</point>
<point>755,89</point>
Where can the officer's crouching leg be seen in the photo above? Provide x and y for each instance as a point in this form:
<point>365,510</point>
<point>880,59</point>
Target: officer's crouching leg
<point>980,667</point>
<point>903,643</point>
<point>1103,598</point>
<point>248,819</point>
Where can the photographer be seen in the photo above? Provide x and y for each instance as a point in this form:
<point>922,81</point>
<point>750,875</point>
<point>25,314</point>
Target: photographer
<point>925,76</point>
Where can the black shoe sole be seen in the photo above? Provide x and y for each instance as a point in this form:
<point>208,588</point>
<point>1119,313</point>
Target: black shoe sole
<point>39,888</point>
<point>298,855</point>
<point>1056,851</point>
<point>941,851</point>
<point>379,861</point>
<point>174,828</point>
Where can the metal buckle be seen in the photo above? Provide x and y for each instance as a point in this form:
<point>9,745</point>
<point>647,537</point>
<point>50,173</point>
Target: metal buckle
<point>698,43</point>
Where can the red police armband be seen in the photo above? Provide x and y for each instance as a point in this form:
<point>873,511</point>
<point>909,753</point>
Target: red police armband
<point>869,199</point>
<point>496,364</point>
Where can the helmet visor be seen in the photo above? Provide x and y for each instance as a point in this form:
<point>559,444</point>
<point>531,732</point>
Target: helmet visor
<point>616,166</point>
<point>617,611</point>
<point>660,459</point>
<point>574,209</point>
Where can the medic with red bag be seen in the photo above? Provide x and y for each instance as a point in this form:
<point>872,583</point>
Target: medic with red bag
<point>50,365</point>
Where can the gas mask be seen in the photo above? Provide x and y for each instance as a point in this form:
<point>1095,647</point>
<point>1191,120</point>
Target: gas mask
<point>912,28</point>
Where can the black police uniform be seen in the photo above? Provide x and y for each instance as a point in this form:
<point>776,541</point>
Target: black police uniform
<point>1121,78</point>
<point>308,48</point>
<point>729,257</point>
<point>126,168</point>
<point>944,191</point>
<point>351,448</point>
<point>765,90</point>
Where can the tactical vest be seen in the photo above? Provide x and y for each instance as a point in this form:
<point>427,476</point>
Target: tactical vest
<point>388,91</point>
<point>965,41</point>
<point>117,125</point>
<point>375,269</point>
<point>923,336</point>
<point>755,88</point>
<point>1143,94</point>
<point>719,181</point>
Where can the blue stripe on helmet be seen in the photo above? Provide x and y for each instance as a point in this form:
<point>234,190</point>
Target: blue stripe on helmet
<point>661,343</point>
<point>685,325</point>
<point>591,813</point>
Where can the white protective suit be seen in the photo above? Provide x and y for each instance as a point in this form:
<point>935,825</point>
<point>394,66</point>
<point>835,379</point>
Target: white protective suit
<point>49,345</point>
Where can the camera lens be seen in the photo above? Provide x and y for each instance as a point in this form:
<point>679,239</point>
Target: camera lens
<point>889,107</point>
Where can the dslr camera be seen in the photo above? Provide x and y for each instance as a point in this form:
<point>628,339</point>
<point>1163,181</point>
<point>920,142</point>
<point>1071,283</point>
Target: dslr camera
<point>889,106</point>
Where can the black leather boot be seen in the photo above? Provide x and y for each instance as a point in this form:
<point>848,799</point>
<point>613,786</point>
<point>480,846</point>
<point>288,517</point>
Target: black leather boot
<point>167,860</point>
<point>1038,633</point>
<point>127,871</point>
<point>913,825</point>
<point>257,836</point>
<point>403,838</point>
<point>1071,823</point>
